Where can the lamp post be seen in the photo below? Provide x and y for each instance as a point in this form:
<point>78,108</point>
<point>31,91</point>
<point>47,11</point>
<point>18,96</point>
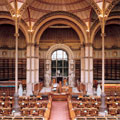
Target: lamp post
<point>16,107</point>
<point>103,108</point>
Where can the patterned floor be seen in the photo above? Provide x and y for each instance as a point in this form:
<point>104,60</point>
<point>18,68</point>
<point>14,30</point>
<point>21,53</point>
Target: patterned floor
<point>59,111</point>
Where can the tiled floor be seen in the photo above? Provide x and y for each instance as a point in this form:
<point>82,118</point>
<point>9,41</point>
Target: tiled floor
<point>59,111</point>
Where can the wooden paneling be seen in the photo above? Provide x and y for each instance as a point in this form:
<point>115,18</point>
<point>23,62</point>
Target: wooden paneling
<point>112,69</point>
<point>62,35</point>
<point>41,69</point>
<point>7,69</point>
<point>77,69</point>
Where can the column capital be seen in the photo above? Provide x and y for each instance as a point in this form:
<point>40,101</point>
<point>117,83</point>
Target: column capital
<point>89,44</point>
<point>36,45</point>
<point>30,44</point>
<point>103,34</point>
<point>82,45</point>
<point>16,34</point>
<point>88,57</point>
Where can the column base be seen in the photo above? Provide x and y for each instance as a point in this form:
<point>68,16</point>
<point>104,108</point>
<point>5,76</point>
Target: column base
<point>29,89</point>
<point>16,114</point>
<point>103,113</point>
<point>16,107</point>
<point>47,85</point>
<point>89,89</point>
<point>103,107</point>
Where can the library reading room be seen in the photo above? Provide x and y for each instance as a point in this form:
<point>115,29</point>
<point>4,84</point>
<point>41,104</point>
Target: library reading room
<point>59,59</point>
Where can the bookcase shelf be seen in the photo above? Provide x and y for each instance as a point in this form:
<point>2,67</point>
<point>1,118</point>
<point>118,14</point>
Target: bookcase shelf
<point>7,69</point>
<point>77,69</point>
<point>41,69</point>
<point>112,69</point>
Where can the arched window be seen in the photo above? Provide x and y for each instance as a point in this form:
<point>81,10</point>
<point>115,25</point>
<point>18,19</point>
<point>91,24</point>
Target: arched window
<point>59,66</point>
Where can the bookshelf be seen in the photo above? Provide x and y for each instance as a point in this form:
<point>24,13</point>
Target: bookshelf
<point>7,69</point>
<point>41,69</point>
<point>77,69</point>
<point>112,69</point>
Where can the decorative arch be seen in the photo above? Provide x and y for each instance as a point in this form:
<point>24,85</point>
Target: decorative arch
<point>60,15</point>
<point>60,21</point>
<point>6,18</point>
<point>97,25</point>
<point>59,46</point>
<point>71,75</point>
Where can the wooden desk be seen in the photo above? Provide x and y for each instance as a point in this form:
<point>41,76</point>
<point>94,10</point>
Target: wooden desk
<point>59,96</point>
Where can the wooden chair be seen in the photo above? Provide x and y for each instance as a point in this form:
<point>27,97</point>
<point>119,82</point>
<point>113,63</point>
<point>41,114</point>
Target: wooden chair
<point>93,112</point>
<point>81,118</point>
<point>18,118</point>
<point>38,105</point>
<point>31,104</point>
<point>88,104</point>
<point>112,111</point>
<point>77,113</point>
<point>25,112</point>
<point>7,104</point>
<point>81,105</point>
<point>7,118</point>
<point>28,118</point>
<point>90,118</point>
<point>96,105</point>
<point>23,105</point>
<point>114,105</point>
<point>118,111</point>
<point>34,112</point>
<point>38,118</point>
<point>101,118</point>
<point>85,112</point>
<point>7,112</point>
<point>1,111</point>
<point>44,105</point>
<point>74,105</point>
<point>41,112</point>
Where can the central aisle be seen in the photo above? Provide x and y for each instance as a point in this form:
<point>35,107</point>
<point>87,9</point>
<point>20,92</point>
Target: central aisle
<point>59,111</point>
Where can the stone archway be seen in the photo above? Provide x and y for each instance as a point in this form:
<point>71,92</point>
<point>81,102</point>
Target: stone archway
<point>71,75</point>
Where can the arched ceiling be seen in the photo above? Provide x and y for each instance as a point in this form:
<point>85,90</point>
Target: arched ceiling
<point>41,7</point>
<point>32,10</point>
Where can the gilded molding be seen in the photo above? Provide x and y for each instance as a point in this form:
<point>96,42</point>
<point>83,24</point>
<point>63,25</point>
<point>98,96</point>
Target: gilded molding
<point>9,7</point>
<point>111,6</point>
<point>24,6</point>
<point>88,44</point>
<point>95,7</point>
<point>59,13</point>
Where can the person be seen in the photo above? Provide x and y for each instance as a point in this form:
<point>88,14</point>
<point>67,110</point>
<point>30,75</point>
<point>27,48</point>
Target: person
<point>20,90</point>
<point>60,86</point>
<point>98,90</point>
<point>65,82</point>
<point>95,84</point>
<point>55,85</point>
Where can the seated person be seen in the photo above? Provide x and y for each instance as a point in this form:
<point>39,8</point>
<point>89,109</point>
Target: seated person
<point>65,82</point>
<point>82,88</point>
<point>54,80</point>
<point>55,85</point>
